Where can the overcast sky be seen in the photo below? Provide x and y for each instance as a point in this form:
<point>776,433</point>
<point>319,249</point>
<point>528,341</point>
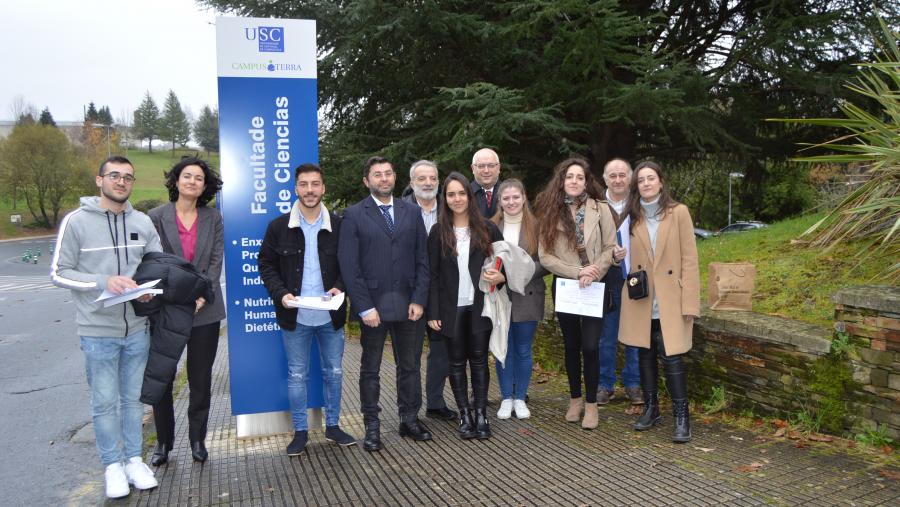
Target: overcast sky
<point>63,54</point>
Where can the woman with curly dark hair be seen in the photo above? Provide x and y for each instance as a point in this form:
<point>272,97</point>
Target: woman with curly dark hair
<point>457,247</point>
<point>663,246</point>
<point>188,228</point>
<point>576,241</point>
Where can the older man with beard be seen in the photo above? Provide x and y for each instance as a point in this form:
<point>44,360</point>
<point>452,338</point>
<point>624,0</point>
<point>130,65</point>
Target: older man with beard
<point>423,181</point>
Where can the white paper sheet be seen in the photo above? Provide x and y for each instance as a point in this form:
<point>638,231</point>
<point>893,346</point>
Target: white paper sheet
<point>110,298</point>
<point>570,298</point>
<point>317,303</point>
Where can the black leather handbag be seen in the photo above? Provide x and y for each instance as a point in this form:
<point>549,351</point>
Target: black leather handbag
<point>638,287</point>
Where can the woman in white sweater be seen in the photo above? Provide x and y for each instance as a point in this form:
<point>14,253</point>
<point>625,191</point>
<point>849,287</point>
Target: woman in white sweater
<point>519,227</point>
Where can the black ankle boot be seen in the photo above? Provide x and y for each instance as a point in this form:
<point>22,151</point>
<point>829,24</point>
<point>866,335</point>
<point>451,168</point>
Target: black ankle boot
<point>372,440</point>
<point>160,454</point>
<point>482,426</point>
<point>676,382</point>
<point>649,368</point>
<point>198,451</point>
<point>681,431</point>
<point>650,416</point>
<point>466,424</point>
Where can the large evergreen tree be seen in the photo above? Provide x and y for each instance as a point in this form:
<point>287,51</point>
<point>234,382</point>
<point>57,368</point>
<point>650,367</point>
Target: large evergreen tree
<point>684,81</point>
<point>206,129</point>
<point>146,121</point>
<point>174,125</point>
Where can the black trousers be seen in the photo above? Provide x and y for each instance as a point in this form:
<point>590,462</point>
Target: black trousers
<point>582,339</point>
<point>437,368</point>
<point>470,347</point>
<point>201,352</point>
<point>407,348</point>
<point>674,366</point>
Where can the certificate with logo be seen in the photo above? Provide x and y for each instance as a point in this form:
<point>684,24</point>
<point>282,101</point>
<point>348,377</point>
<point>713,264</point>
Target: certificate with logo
<point>571,298</point>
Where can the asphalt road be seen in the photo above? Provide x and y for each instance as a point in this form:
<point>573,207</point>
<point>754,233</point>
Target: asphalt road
<point>49,456</point>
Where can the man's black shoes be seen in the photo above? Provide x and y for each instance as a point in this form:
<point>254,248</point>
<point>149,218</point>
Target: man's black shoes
<point>416,430</point>
<point>372,440</point>
<point>441,413</point>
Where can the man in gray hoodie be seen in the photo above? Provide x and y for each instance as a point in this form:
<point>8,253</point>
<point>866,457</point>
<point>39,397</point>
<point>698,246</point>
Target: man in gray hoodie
<point>99,247</point>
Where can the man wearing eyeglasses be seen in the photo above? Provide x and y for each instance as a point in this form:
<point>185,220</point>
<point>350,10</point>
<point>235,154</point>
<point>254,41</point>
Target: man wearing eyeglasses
<point>383,259</point>
<point>486,169</point>
<point>99,247</point>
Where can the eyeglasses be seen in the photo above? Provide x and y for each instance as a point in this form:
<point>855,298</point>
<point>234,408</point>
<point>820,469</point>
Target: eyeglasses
<point>116,176</point>
<point>492,165</point>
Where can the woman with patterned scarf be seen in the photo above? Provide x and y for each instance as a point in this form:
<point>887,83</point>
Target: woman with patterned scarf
<point>576,241</point>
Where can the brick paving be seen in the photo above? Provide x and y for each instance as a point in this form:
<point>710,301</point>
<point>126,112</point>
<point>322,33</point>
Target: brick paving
<point>539,461</point>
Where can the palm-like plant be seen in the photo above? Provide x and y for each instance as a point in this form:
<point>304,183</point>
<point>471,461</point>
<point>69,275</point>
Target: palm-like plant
<point>869,215</point>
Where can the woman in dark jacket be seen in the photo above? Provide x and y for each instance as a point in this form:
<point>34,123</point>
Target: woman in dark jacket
<point>457,247</point>
<point>189,229</point>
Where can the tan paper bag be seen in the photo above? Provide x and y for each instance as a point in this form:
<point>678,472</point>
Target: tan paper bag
<point>731,285</point>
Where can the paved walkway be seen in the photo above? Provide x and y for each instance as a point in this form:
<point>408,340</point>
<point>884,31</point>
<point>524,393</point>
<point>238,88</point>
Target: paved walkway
<point>540,461</point>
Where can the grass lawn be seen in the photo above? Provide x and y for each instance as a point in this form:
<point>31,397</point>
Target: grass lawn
<point>148,169</point>
<point>792,280</point>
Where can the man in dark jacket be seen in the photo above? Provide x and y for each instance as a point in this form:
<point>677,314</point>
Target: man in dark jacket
<point>486,180</point>
<point>424,189</point>
<point>384,262</point>
<point>298,257</point>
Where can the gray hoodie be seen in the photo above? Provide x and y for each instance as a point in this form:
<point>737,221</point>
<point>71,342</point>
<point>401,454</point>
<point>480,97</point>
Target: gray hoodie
<point>94,244</point>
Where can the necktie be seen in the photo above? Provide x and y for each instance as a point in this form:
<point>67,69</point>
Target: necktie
<point>385,210</point>
<point>487,197</point>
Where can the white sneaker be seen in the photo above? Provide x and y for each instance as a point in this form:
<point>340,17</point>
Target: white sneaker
<point>506,407</point>
<point>521,408</point>
<point>140,474</point>
<point>116,482</point>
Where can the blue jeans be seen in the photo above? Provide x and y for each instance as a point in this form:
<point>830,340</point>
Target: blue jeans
<point>115,372</point>
<point>516,375</point>
<point>609,340</point>
<point>331,351</point>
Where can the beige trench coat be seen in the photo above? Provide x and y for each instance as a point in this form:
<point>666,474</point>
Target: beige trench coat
<point>599,240</point>
<point>674,277</point>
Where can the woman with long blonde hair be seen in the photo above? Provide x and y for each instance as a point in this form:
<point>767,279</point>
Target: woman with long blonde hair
<point>519,227</point>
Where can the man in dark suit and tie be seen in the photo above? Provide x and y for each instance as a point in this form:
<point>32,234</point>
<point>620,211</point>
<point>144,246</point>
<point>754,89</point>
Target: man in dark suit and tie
<point>486,172</point>
<point>384,262</point>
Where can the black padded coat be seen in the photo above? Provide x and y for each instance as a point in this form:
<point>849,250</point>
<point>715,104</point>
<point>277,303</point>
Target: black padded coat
<point>171,316</point>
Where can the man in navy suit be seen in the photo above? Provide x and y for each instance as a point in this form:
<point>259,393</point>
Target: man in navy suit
<point>384,262</point>
<point>486,172</point>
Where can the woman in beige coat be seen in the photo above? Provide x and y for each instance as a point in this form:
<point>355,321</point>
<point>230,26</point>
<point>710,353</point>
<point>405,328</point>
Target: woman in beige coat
<point>576,240</point>
<point>663,245</point>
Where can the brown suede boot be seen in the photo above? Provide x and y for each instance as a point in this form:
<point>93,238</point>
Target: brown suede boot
<point>576,406</point>
<point>590,416</point>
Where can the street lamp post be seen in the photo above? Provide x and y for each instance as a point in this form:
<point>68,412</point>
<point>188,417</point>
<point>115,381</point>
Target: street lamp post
<point>108,146</point>
<point>731,175</point>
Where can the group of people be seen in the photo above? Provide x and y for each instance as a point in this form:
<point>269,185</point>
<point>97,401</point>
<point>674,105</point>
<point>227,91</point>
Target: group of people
<point>460,262</point>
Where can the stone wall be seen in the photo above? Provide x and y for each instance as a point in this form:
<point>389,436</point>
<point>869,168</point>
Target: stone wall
<point>763,362</point>
<point>871,317</point>
<point>781,367</point>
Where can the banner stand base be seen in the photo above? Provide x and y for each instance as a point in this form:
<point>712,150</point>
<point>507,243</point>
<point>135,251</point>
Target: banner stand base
<point>275,423</point>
